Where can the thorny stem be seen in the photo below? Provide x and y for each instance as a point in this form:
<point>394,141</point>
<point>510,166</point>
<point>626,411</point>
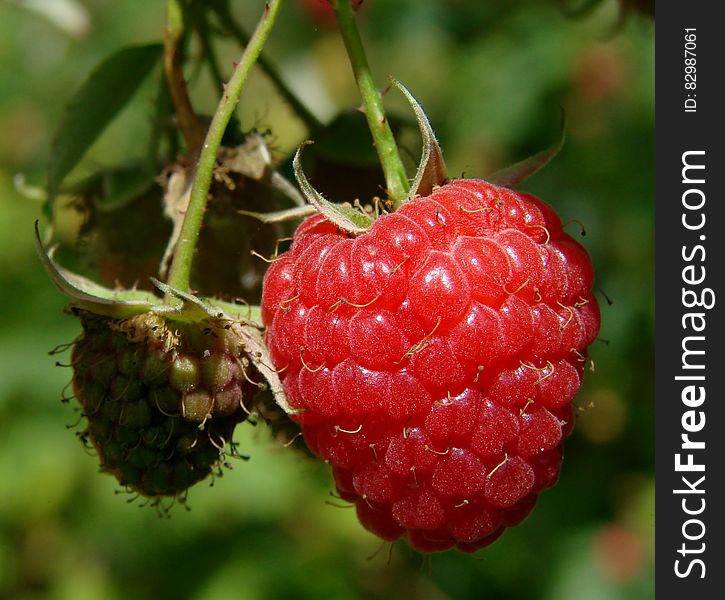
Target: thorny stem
<point>221,7</point>
<point>191,127</point>
<point>396,179</point>
<point>183,255</point>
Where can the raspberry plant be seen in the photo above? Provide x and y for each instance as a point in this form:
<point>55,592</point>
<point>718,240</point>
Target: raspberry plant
<point>428,343</point>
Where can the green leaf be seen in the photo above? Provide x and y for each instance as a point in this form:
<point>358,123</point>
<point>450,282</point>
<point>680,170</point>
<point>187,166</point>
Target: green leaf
<point>346,218</point>
<point>108,89</point>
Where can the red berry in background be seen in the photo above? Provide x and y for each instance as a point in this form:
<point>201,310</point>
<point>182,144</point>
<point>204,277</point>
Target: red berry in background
<point>434,358</point>
<point>321,11</point>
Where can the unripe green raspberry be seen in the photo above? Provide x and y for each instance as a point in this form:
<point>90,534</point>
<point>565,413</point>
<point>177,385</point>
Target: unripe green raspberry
<point>161,398</point>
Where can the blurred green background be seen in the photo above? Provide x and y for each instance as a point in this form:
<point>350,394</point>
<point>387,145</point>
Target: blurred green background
<point>492,76</point>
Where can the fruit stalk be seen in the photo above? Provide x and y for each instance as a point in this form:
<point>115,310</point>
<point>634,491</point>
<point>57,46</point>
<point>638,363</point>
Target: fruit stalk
<point>396,179</point>
<point>183,255</point>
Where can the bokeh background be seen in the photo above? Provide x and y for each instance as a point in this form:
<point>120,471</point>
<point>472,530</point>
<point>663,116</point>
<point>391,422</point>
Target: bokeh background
<point>492,77</point>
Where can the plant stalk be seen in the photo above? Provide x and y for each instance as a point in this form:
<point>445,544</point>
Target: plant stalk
<point>396,179</point>
<point>180,271</point>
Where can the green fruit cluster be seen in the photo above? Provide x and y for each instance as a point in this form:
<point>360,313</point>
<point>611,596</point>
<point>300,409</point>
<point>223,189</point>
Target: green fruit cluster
<point>161,398</point>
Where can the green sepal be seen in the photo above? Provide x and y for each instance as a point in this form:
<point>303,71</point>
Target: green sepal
<point>185,308</point>
<point>431,171</point>
<point>249,330</point>
<point>250,314</point>
<point>260,357</point>
<point>118,304</point>
<point>193,309</point>
<point>346,218</point>
<point>86,294</point>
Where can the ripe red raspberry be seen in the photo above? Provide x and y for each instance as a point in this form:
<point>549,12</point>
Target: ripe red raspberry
<point>322,13</point>
<point>434,358</point>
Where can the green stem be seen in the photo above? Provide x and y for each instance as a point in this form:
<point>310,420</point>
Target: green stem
<point>181,265</point>
<point>396,179</point>
<point>227,22</point>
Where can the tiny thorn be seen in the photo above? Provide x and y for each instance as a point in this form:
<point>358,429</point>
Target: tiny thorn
<point>582,230</point>
<point>571,315</point>
<point>606,297</point>
<point>548,372</point>
<point>447,402</point>
<point>375,454</point>
<point>264,258</point>
<point>429,449</point>
<point>498,466</point>
<point>415,476</point>
<point>339,505</point>
<point>339,429</point>
<point>279,241</point>
<point>293,440</point>
<point>518,289</point>
<point>283,303</point>
<point>532,367</point>
<point>60,348</point>
<point>342,301</point>
<point>421,345</point>
<point>306,366</point>
<point>587,407</point>
<point>546,231</point>
<point>374,554</point>
<point>580,356</point>
<point>529,402</point>
<point>474,210</point>
<point>400,264</point>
